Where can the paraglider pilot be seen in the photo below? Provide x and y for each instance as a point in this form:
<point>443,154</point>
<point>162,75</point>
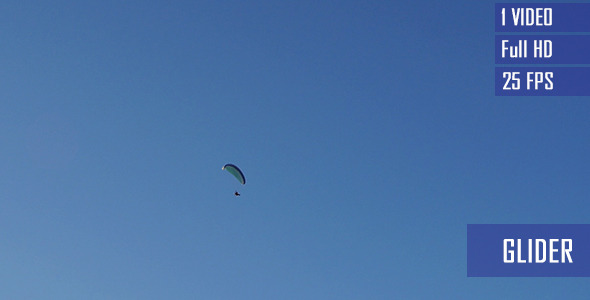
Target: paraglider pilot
<point>234,170</point>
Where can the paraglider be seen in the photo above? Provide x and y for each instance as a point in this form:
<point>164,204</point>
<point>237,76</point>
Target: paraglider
<point>234,170</point>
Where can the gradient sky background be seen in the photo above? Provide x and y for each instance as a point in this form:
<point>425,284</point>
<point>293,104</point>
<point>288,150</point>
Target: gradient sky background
<point>369,134</point>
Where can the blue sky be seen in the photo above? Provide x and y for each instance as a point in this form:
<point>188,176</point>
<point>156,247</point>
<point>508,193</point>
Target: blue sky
<point>369,134</point>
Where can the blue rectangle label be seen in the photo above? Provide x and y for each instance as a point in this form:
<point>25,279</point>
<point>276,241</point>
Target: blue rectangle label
<point>540,250</point>
<point>543,49</point>
<point>542,17</point>
<point>542,81</point>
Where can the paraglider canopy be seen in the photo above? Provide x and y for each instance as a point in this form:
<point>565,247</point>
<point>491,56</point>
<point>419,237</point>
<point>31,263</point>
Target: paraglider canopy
<point>234,170</point>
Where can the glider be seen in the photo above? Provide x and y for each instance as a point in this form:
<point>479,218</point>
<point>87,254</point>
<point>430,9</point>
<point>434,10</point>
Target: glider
<point>234,170</point>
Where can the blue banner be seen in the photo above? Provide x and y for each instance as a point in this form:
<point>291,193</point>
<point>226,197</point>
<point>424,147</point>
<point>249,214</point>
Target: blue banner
<point>546,250</point>
<point>542,81</point>
<point>542,17</point>
<point>543,49</point>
